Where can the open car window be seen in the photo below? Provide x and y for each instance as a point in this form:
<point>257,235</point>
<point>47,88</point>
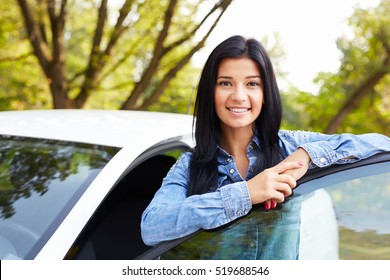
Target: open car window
<point>344,215</point>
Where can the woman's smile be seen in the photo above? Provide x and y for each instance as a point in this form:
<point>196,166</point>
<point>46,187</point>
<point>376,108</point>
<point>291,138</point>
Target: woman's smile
<point>239,110</point>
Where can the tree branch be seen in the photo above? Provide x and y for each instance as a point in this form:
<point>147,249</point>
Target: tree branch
<point>223,4</point>
<point>35,37</point>
<point>119,26</point>
<point>172,73</point>
<point>355,99</point>
<point>364,90</point>
<point>153,65</point>
<point>15,58</point>
<point>94,57</point>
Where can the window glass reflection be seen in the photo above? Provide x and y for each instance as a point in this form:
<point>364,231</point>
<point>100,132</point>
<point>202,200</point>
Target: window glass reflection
<point>362,209</point>
<point>40,180</point>
<point>262,234</point>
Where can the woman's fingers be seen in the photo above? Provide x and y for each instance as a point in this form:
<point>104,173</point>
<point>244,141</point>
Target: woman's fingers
<point>279,183</point>
<point>270,204</point>
<point>273,184</point>
<point>285,166</point>
<point>287,179</point>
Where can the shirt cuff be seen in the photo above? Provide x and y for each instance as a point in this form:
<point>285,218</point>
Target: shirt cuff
<point>236,200</point>
<point>321,154</point>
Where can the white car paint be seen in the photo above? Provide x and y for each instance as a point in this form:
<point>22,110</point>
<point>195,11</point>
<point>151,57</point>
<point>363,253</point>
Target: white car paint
<point>104,127</point>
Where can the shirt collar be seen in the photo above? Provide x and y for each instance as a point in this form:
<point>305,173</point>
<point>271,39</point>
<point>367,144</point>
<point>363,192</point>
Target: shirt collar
<point>223,157</point>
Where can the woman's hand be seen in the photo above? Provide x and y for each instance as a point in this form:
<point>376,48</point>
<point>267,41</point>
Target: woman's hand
<point>274,183</point>
<point>301,156</point>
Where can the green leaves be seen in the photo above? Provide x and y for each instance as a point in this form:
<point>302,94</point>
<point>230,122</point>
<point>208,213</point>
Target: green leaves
<point>355,99</point>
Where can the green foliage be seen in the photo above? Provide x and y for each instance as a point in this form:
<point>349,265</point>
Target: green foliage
<point>364,71</point>
<point>180,95</point>
<point>24,85</point>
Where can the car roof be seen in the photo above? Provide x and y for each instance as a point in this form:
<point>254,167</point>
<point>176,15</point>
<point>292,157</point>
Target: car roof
<point>117,128</point>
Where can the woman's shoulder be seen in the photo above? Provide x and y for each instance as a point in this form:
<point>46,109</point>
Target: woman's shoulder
<point>183,161</point>
<point>185,156</point>
<point>297,134</point>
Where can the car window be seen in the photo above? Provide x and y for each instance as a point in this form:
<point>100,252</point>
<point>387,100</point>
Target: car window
<point>347,217</point>
<point>40,180</point>
<point>360,223</point>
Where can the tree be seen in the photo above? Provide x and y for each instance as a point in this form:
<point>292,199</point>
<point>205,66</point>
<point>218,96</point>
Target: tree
<point>150,40</point>
<point>18,66</point>
<point>357,98</point>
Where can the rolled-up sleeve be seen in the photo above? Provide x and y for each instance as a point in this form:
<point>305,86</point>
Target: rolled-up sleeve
<point>325,150</point>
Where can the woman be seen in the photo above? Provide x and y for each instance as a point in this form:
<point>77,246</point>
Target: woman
<point>241,158</point>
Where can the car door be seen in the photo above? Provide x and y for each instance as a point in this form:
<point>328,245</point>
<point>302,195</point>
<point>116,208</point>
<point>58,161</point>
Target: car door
<point>340,212</point>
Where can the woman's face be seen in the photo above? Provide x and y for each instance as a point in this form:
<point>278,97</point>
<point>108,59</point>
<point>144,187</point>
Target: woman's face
<point>238,93</point>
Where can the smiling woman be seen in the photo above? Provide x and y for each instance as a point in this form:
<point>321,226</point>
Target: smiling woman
<point>242,159</point>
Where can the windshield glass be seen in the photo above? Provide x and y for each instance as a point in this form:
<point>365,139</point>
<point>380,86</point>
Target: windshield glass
<point>40,181</point>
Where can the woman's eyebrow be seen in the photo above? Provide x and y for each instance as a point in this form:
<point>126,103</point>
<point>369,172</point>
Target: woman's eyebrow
<point>248,77</point>
<point>253,77</point>
<point>224,77</point>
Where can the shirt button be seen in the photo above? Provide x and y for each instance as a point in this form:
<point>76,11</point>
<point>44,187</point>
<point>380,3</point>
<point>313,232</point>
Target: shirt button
<point>231,170</point>
<point>239,212</point>
<point>322,160</point>
<point>251,147</point>
<point>252,244</point>
<point>229,160</point>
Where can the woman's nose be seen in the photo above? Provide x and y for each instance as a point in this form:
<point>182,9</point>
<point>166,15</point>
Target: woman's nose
<point>239,94</point>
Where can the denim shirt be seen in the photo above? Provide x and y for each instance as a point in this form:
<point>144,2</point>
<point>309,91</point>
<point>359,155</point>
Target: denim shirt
<point>171,214</point>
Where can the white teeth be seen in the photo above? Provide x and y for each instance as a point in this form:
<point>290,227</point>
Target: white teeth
<point>238,110</point>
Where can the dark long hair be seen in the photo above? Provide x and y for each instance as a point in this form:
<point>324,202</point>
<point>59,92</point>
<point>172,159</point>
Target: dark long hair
<point>204,168</point>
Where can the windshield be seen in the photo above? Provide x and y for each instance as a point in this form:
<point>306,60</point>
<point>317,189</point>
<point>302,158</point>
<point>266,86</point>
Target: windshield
<point>40,181</point>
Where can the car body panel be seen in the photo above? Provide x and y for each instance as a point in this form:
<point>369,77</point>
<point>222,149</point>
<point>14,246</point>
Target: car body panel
<point>104,127</point>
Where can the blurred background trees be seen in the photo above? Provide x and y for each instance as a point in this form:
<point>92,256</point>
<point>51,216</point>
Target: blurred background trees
<point>106,54</point>
<point>356,98</point>
<point>136,54</point>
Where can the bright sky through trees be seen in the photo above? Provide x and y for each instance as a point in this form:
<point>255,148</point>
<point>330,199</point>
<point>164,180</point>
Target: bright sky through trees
<point>308,31</point>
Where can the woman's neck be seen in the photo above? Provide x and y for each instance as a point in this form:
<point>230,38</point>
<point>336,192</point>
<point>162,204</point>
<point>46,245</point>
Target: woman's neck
<point>235,141</point>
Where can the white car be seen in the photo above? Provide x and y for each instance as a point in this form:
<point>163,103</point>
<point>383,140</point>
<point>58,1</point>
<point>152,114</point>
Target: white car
<point>74,183</point>
<point>64,173</point>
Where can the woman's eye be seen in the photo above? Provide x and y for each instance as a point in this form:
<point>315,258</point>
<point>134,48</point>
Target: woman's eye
<point>225,83</point>
<point>253,84</point>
